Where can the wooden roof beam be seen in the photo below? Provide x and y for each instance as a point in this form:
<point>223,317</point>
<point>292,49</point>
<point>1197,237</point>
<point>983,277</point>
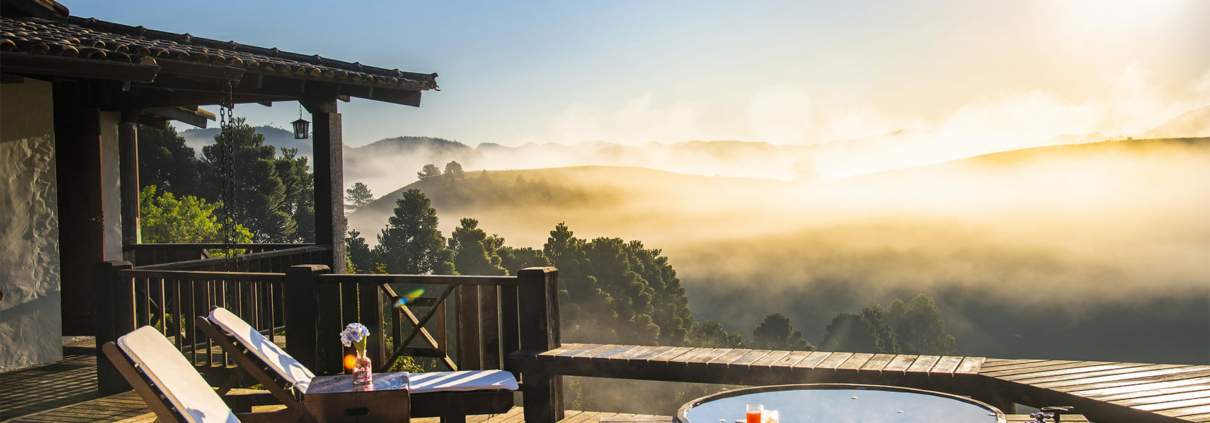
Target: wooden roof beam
<point>195,117</point>
<point>38,64</point>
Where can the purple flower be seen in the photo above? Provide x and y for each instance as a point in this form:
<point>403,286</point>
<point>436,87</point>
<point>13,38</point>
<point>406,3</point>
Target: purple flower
<point>354,332</point>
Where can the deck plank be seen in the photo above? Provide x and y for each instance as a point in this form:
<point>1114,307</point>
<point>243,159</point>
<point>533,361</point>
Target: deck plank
<point>631,353</point>
<point>834,360</point>
<point>946,365</point>
<point>1068,371</point>
<point>899,364</point>
<point>724,361</point>
<point>1042,369</point>
<point>1134,379</point>
<point>791,359</point>
<point>749,358</point>
<point>969,366</point>
<point>854,362</point>
<point>877,362</point>
<point>810,361</point>
<point>769,359</point>
<point>923,364</point>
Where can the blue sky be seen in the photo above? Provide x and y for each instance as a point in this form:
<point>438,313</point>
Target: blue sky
<point>783,72</point>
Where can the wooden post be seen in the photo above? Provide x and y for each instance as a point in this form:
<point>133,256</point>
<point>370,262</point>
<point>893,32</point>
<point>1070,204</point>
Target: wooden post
<point>469,357</point>
<point>538,303</point>
<point>128,162</point>
<point>328,350</point>
<point>113,317</point>
<point>301,299</point>
<point>329,180</point>
<point>81,224</point>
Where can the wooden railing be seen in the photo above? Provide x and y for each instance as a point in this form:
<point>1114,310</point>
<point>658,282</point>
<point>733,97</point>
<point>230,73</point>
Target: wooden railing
<point>488,311</point>
<point>272,258</point>
<point>128,298</point>
<point>312,306</point>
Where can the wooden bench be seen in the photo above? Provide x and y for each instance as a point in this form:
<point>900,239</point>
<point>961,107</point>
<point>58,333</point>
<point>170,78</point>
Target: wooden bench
<point>1106,392</point>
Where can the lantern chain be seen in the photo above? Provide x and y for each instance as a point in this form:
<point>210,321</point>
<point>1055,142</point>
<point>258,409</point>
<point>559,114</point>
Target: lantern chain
<point>227,170</point>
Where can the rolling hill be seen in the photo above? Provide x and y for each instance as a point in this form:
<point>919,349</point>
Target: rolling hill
<point>1108,237</point>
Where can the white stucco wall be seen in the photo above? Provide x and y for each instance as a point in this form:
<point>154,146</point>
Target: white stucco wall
<point>30,321</point>
<point>111,196</point>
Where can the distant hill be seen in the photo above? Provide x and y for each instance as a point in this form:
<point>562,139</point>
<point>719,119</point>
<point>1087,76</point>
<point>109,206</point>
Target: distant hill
<point>538,198</point>
<point>1115,229</point>
<point>1194,123</point>
<point>392,162</point>
<point>277,137</point>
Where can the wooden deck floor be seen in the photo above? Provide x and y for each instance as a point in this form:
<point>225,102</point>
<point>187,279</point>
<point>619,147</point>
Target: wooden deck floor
<point>65,391</point>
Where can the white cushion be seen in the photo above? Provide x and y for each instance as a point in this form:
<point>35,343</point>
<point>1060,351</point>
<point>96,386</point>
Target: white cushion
<point>294,372</point>
<point>466,380</point>
<point>286,366</point>
<point>173,374</point>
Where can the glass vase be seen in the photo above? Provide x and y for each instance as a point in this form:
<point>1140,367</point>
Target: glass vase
<point>361,370</point>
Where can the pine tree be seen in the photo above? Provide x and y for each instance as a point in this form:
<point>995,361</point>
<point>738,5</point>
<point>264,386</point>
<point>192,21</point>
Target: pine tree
<point>299,183</point>
<point>358,196</point>
<point>850,332</point>
<point>776,333</point>
<point>166,162</point>
<point>260,196</point>
<point>411,243</point>
<point>359,252</point>
<point>428,171</point>
<point>472,254</point>
<point>453,170</point>
<point>922,331</point>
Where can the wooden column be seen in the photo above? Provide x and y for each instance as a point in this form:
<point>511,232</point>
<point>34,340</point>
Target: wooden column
<point>81,220</point>
<point>128,158</point>
<point>329,179</point>
<point>114,317</point>
<point>538,303</point>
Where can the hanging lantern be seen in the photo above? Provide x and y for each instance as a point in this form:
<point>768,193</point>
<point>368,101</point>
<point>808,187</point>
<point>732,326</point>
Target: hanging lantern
<point>301,129</point>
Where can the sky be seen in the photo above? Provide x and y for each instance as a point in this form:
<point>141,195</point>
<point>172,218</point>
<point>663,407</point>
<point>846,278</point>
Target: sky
<point>784,72</point>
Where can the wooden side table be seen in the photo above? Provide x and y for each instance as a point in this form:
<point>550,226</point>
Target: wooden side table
<point>335,399</point>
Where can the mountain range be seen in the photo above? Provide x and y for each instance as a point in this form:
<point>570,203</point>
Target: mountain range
<point>392,162</point>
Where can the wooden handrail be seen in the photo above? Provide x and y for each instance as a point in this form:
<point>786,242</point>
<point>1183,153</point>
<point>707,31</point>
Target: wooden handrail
<point>219,245</point>
<point>194,264</point>
<point>420,279</point>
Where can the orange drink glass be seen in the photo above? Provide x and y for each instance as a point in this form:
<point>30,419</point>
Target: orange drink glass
<point>754,412</point>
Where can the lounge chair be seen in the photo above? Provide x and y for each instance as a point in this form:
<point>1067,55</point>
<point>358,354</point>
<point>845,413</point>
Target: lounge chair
<point>449,395</point>
<point>171,386</point>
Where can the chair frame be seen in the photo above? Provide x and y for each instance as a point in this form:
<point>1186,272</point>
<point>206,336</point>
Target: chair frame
<point>163,408</point>
<point>451,407</point>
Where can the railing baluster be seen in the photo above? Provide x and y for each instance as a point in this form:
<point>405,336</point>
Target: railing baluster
<point>443,327</point>
<point>194,286</point>
<point>489,329</point>
<point>145,312</point>
<point>163,307</point>
<point>510,340</point>
<point>177,319</point>
<point>211,291</point>
<point>370,311</point>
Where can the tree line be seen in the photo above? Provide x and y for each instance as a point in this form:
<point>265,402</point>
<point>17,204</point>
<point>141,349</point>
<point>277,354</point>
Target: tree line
<point>274,189</point>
